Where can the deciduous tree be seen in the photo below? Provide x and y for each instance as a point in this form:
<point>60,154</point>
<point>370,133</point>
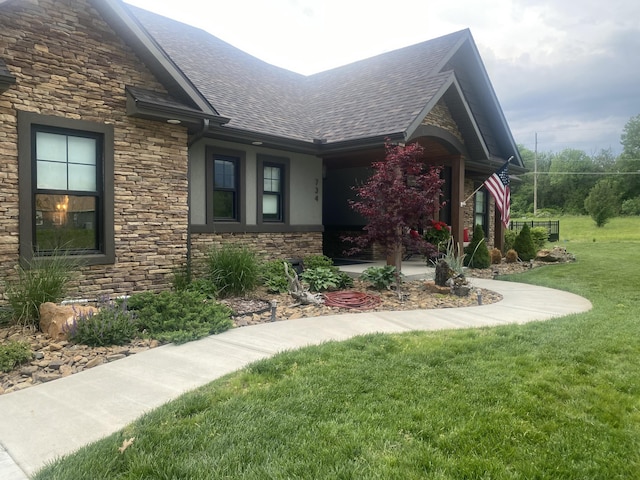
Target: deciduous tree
<point>401,196</point>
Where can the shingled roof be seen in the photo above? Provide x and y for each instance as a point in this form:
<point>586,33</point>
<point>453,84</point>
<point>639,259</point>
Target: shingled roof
<point>361,103</point>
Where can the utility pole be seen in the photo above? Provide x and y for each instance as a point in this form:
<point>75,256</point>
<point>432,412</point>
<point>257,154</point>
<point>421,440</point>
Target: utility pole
<point>535,176</point>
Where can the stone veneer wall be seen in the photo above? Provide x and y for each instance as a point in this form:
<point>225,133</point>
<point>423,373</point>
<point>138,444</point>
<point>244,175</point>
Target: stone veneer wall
<point>440,116</point>
<point>69,63</point>
<point>268,246</point>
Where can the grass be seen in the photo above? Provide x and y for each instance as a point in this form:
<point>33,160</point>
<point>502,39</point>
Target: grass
<point>548,400</point>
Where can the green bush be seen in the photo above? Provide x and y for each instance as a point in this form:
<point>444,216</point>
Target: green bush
<point>179,316</point>
<point>320,279</point>
<point>631,207</point>
<point>41,280</point>
<point>233,270</point>
<point>477,252</point>
<point>13,354</point>
<point>380,277</point>
<point>603,202</point>
<point>509,239</point>
<point>113,324</point>
<point>315,261</point>
<point>272,276</point>
<point>524,244</point>
<point>539,237</point>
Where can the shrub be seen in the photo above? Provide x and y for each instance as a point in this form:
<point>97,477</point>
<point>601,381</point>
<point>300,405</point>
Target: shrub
<point>232,270</point>
<point>179,316</point>
<point>603,202</point>
<point>477,253</point>
<point>272,275</point>
<point>511,256</point>
<point>631,207</point>
<point>524,244</point>
<point>41,280</point>
<point>315,261</point>
<point>539,237</point>
<point>453,257</point>
<point>380,277</point>
<point>13,354</point>
<point>113,324</point>
<point>320,279</point>
<point>509,239</point>
<point>496,256</point>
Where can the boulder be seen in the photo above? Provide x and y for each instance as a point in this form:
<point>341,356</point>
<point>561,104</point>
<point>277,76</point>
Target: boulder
<point>557,254</point>
<point>56,320</point>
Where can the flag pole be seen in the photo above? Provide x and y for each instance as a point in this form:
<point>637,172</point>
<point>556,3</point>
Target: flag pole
<point>464,203</point>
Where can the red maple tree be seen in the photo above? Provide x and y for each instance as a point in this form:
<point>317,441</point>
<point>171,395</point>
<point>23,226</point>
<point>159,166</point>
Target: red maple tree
<point>401,197</point>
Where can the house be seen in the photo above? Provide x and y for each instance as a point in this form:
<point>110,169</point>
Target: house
<point>137,142</point>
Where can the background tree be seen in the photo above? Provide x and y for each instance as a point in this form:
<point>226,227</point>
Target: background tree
<point>603,202</point>
<point>402,194</point>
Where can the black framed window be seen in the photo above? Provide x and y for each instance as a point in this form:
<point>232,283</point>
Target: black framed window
<point>273,193</point>
<point>225,187</point>
<point>66,188</point>
<point>273,186</point>
<point>481,210</point>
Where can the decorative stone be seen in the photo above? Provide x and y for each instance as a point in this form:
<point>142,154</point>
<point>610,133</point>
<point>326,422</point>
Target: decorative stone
<point>95,362</point>
<point>56,320</point>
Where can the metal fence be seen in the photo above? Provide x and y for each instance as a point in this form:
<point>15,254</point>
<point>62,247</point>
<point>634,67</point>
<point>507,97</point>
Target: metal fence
<point>552,226</point>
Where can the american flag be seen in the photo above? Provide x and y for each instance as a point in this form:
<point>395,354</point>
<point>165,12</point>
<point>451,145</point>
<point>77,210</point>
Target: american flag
<point>498,185</point>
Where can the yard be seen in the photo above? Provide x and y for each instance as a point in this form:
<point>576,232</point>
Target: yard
<point>557,399</point>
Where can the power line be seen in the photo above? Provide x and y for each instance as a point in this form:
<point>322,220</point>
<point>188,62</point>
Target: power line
<point>582,173</point>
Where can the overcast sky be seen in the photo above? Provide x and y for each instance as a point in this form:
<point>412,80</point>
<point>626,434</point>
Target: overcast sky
<point>568,70</point>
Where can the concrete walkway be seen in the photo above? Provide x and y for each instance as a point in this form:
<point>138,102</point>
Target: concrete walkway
<point>49,420</point>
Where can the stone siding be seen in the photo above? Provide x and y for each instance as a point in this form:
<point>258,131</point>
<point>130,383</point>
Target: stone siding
<point>268,246</point>
<point>69,63</point>
<point>440,116</point>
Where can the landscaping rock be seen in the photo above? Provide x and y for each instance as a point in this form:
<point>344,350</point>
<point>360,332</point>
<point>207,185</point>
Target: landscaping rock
<point>55,320</point>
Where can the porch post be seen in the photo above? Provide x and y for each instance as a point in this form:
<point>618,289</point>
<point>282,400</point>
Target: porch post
<point>457,196</point>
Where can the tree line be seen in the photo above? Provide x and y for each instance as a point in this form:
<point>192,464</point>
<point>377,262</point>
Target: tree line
<point>573,182</point>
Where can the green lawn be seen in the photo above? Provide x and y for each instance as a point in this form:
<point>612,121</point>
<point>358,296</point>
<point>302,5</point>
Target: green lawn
<point>548,400</point>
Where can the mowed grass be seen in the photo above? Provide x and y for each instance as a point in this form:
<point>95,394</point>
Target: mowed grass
<point>547,400</point>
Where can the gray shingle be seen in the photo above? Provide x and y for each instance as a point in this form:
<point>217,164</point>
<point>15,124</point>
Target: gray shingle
<point>371,97</point>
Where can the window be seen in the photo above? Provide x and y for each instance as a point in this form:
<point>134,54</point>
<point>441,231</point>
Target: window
<point>225,187</point>
<point>224,172</point>
<point>272,200</point>
<point>66,188</point>
<point>481,209</point>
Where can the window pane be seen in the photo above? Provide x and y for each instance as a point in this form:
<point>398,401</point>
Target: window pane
<point>82,150</point>
<point>224,174</point>
<point>82,177</point>
<point>65,222</point>
<point>480,202</point>
<point>224,205</point>
<point>270,204</point>
<point>51,175</point>
<point>271,179</point>
<point>50,146</point>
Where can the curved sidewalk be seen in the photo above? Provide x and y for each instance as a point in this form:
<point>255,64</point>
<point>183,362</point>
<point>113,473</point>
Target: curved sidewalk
<point>52,419</point>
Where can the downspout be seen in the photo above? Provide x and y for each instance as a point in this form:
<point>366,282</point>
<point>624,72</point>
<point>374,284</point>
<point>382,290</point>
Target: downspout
<point>192,139</point>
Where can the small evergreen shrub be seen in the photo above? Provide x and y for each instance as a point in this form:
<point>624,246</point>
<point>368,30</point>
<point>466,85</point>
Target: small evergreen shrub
<point>41,280</point>
<point>272,276</point>
<point>13,354</point>
<point>315,261</point>
<point>380,277</point>
<point>477,253</point>
<point>496,256</point>
<point>232,270</point>
<point>539,237</point>
<point>524,244</point>
<point>179,317</point>
<point>511,256</point>
<point>509,238</point>
<point>321,279</point>
<point>113,324</point>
